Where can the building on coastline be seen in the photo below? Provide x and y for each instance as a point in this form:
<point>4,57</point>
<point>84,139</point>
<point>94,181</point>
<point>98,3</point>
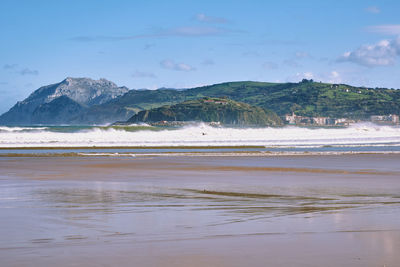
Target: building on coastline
<point>290,119</point>
<point>214,123</point>
<point>385,119</point>
<point>320,120</point>
<point>298,120</point>
<point>343,122</point>
<point>293,119</point>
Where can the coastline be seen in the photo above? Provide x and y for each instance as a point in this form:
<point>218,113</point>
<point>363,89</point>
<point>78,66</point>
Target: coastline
<point>194,154</point>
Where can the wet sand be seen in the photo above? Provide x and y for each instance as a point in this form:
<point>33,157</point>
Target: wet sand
<point>333,210</point>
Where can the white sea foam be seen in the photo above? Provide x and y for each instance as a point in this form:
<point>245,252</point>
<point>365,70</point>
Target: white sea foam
<point>20,129</point>
<point>108,154</point>
<point>203,135</point>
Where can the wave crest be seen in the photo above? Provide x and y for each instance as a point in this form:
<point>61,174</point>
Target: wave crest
<point>197,135</point>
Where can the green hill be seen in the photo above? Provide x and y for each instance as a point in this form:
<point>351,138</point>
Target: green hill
<point>309,98</point>
<point>305,98</point>
<point>221,110</point>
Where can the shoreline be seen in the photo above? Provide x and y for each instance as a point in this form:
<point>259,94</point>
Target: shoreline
<point>196,154</point>
<point>128,147</point>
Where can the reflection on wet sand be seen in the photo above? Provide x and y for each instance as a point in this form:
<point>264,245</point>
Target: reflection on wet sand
<point>204,211</point>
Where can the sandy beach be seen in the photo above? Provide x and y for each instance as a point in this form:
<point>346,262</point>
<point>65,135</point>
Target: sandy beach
<point>332,210</point>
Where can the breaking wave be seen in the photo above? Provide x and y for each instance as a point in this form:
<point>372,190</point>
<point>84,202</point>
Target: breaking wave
<point>198,135</point>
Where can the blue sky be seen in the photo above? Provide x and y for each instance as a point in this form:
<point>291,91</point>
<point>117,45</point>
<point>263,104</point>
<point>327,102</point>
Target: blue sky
<point>152,44</point>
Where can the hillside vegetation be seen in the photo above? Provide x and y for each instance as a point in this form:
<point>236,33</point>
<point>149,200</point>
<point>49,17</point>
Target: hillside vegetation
<point>225,111</point>
<point>305,98</point>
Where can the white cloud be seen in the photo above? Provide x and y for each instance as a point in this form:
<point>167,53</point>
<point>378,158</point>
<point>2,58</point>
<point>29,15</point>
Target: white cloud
<point>328,77</point>
<point>383,53</point>
<point>335,74</point>
<point>388,29</point>
<point>308,75</point>
<point>373,9</point>
<point>172,65</point>
<point>300,76</point>
<point>210,19</point>
<point>332,77</point>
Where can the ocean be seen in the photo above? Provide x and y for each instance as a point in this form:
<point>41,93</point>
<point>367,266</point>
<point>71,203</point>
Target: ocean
<point>358,138</point>
<point>199,196</point>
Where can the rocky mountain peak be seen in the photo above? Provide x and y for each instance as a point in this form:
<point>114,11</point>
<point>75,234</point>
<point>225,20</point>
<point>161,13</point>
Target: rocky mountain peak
<point>71,81</point>
<point>85,92</point>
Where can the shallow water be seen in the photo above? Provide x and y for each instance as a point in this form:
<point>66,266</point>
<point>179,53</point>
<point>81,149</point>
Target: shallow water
<point>219,211</point>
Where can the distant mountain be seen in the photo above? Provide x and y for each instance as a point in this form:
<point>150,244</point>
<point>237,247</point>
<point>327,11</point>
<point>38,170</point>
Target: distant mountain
<point>59,103</point>
<point>207,109</point>
<point>99,102</point>
<point>56,111</point>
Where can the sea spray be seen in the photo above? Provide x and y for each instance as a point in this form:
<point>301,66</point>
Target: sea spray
<point>198,135</point>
